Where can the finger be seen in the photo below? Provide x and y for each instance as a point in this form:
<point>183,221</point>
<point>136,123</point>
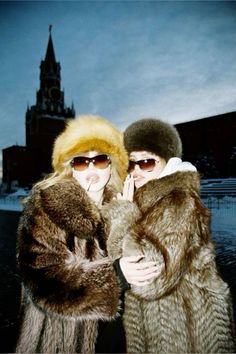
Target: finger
<point>119,196</point>
<point>131,189</point>
<point>134,259</point>
<point>126,188</point>
<point>140,273</point>
<point>131,181</point>
<point>144,265</point>
<point>145,277</point>
<point>127,177</point>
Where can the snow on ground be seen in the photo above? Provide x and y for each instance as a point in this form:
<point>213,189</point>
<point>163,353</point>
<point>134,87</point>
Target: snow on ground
<point>223,228</point>
<point>12,201</point>
<point>223,213</point>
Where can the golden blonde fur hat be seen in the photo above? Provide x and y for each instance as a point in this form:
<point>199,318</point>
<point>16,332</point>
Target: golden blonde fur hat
<point>87,133</point>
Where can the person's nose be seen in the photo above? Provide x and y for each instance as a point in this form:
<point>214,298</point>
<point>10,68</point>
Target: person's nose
<point>91,165</point>
<point>136,170</point>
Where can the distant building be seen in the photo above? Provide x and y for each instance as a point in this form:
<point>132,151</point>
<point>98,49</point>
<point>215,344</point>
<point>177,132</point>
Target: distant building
<point>24,165</point>
<point>210,144</point>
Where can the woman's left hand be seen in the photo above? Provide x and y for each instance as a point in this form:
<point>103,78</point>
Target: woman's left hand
<point>128,190</point>
<point>136,272</point>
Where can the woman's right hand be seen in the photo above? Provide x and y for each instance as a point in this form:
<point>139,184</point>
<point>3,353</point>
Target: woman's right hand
<point>138,273</point>
<point>128,190</point>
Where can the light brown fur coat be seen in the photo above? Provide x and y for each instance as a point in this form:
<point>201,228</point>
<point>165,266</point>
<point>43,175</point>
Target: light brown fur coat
<point>187,308</point>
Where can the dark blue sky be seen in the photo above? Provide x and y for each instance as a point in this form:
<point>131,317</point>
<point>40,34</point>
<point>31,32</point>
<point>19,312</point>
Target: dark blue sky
<point>121,59</point>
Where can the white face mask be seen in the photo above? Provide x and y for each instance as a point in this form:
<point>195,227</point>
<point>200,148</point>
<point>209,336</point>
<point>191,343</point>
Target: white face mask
<point>92,179</point>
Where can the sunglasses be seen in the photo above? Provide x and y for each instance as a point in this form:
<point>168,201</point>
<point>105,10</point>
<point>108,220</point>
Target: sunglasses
<point>145,165</point>
<point>80,163</point>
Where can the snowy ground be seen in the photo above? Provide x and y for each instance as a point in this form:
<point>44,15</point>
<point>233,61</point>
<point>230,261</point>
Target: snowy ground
<point>223,212</point>
<point>12,201</point>
<point>223,230</point>
<point>223,215</point>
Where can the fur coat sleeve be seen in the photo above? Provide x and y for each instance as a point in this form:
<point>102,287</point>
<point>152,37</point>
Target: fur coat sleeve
<point>122,216</point>
<point>62,255</point>
<point>171,228</point>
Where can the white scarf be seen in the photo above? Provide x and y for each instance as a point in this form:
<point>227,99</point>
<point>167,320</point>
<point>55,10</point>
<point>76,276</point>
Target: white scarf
<point>175,164</point>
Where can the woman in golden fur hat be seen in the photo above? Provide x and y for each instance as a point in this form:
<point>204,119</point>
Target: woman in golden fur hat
<point>187,308</point>
<point>68,282</point>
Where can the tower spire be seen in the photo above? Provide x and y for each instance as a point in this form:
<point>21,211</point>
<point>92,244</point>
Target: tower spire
<point>50,55</point>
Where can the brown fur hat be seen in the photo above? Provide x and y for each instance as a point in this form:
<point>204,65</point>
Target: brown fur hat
<point>90,132</point>
<point>155,136</point>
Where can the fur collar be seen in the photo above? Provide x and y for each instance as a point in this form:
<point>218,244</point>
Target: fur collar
<point>149,194</point>
<point>68,205</point>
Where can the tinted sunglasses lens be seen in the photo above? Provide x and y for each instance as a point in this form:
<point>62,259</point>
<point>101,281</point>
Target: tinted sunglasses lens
<point>101,161</point>
<point>131,166</point>
<point>147,164</point>
<point>80,163</point>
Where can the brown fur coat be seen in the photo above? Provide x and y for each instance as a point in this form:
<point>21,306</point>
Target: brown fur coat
<point>187,308</point>
<point>68,282</point>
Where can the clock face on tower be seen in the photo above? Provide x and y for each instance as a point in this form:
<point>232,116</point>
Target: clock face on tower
<point>54,93</point>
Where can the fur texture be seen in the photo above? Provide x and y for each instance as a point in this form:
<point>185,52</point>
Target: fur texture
<point>69,283</point>
<point>187,308</point>
<point>90,133</point>
<point>153,135</point>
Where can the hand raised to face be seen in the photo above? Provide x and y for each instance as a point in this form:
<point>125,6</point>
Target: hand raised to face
<point>128,190</point>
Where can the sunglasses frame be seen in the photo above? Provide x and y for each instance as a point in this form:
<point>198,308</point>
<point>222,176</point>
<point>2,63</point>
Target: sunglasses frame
<point>87,160</point>
<point>142,167</point>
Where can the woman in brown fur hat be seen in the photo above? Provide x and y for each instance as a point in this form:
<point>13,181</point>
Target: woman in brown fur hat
<point>187,308</point>
<point>68,282</point>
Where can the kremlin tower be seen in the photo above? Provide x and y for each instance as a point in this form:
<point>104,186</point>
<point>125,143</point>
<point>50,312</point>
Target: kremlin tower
<point>24,165</point>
